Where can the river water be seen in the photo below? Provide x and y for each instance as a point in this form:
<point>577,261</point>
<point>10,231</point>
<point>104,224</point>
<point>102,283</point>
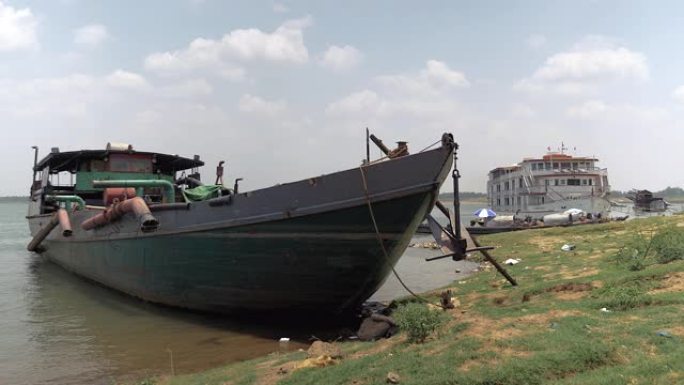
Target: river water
<point>56,328</point>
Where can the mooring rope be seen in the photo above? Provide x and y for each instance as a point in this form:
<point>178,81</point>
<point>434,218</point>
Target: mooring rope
<point>430,146</point>
<point>382,244</point>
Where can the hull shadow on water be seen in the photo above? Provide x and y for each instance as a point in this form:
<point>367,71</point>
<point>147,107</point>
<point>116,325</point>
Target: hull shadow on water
<point>87,333</point>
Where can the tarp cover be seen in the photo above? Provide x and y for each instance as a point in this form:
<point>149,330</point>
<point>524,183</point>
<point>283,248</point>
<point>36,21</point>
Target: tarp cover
<point>201,193</point>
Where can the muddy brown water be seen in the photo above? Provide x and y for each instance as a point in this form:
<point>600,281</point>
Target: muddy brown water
<point>56,328</point>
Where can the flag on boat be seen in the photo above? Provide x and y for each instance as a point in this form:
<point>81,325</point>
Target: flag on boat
<point>484,213</point>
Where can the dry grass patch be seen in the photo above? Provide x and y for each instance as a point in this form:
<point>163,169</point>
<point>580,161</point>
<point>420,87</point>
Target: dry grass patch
<point>501,353</point>
<point>574,274</point>
<point>546,243</point>
<point>543,318</point>
<point>671,283</point>
<point>379,346</point>
<point>488,329</point>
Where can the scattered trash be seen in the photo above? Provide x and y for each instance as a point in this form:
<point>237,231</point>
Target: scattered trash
<point>604,310</point>
<point>664,333</point>
<point>282,371</point>
<point>284,339</point>
<point>511,261</point>
<point>568,247</point>
<point>457,271</point>
<point>553,325</point>
<point>393,378</point>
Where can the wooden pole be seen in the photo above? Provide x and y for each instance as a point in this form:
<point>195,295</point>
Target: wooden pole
<point>367,145</point>
<point>493,261</point>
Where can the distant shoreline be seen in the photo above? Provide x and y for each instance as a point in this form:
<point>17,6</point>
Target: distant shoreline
<point>14,199</point>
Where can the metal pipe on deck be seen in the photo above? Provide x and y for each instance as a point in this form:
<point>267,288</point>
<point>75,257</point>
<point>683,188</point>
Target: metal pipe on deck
<point>380,145</point>
<point>64,222</point>
<point>68,199</point>
<point>42,234</point>
<point>169,189</point>
<point>136,205</point>
<point>170,206</point>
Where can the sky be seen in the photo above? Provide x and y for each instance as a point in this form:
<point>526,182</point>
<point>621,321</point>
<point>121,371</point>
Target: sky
<point>284,90</point>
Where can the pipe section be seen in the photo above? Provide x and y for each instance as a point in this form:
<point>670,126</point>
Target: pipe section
<point>64,222</point>
<point>69,199</point>
<point>170,206</point>
<point>136,205</point>
<point>42,234</point>
<point>169,191</point>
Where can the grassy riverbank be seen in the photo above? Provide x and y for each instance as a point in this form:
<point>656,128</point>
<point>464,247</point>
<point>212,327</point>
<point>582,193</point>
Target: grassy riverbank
<point>549,330</point>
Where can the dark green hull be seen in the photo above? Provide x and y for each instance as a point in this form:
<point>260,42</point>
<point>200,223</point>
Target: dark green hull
<point>330,261</point>
<point>309,244</point>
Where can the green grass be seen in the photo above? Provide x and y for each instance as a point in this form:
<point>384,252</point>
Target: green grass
<point>548,330</point>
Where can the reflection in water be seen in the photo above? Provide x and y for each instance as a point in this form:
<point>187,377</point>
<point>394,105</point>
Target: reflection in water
<point>91,333</point>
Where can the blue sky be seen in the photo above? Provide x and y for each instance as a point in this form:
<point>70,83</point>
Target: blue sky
<point>284,90</point>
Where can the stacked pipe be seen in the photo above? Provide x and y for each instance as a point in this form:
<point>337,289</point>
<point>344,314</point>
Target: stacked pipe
<point>135,205</point>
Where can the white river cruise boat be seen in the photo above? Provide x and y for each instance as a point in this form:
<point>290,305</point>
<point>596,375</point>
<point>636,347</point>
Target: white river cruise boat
<point>551,184</point>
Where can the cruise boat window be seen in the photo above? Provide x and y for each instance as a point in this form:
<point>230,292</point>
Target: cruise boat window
<point>573,182</point>
<point>562,182</point>
<point>534,167</point>
<point>584,182</point>
<point>555,182</point>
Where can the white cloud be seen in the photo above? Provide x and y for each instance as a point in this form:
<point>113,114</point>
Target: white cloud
<point>66,96</point>
<point>17,28</point>
<point>588,110</point>
<point>626,114</point>
<point>425,96</point>
<point>188,89</point>
<point>523,111</point>
<point>581,65</point>
<point>280,8</point>
<point>341,59</point>
<point>365,101</point>
<point>91,35</point>
<point>439,72</point>
<point>535,41</point>
<point>254,104</point>
<point>678,94</point>
<point>224,56</point>
<point>127,80</point>
<point>592,61</point>
<point>435,78</point>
